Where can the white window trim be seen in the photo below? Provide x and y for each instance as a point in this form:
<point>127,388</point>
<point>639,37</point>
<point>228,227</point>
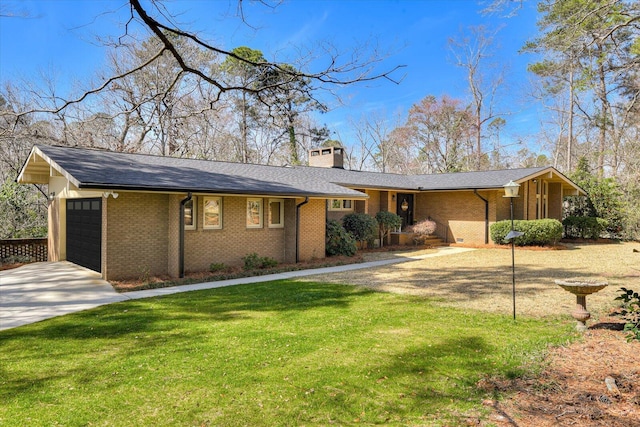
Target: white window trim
<point>342,205</point>
<point>204,213</point>
<point>260,212</point>
<point>281,223</point>
<point>194,217</point>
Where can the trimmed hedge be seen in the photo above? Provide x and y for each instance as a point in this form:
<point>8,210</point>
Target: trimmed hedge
<point>584,227</point>
<point>537,232</point>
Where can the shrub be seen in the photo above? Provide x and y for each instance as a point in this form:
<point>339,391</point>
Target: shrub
<point>253,261</point>
<point>387,221</point>
<point>216,266</point>
<point>630,312</point>
<point>363,227</point>
<point>339,241</point>
<point>585,227</point>
<point>422,229</point>
<point>605,199</point>
<point>537,232</point>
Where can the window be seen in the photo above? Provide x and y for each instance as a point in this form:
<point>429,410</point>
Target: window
<point>340,205</point>
<point>212,215</point>
<point>254,213</point>
<point>276,213</point>
<point>190,215</point>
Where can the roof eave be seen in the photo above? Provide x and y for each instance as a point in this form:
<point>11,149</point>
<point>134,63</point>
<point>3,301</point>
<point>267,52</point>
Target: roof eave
<point>36,151</point>
<point>156,189</point>
<point>553,170</point>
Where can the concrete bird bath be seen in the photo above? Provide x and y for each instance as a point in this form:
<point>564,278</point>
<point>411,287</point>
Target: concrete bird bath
<point>581,288</point>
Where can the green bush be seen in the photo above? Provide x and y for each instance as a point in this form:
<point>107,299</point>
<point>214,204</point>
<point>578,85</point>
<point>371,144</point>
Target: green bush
<point>537,232</point>
<point>339,241</point>
<point>630,312</point>
<point>216,266</point>
<point>388,221</point>
<point>585,227</point>
<point>253,261</point>
<point>362,227</point>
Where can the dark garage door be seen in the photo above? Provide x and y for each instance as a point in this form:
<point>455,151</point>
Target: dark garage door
<point>84,232</point>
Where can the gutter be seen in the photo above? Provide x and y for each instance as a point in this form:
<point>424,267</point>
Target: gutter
<point>486,216</point>
<point>306,200</point>
<point>181,236</point>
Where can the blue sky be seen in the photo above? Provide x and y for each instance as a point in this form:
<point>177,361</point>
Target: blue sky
<point>61,39</point>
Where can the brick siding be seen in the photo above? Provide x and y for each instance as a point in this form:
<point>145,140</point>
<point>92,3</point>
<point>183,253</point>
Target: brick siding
<point>135,234</point>
<point>312,230</point>
<point>462,212</point>
<point>234,241</point>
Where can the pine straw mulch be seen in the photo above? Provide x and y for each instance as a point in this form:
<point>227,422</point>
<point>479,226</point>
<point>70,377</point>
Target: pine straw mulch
<point>571,390</point>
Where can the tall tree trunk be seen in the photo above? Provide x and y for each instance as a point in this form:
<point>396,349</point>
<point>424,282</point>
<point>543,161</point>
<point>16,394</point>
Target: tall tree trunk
<point>570,130</point>
<point>604,113</point>
<point>244,125</point>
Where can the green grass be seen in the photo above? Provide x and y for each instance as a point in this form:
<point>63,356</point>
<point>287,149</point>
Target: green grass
<point>279,353</point>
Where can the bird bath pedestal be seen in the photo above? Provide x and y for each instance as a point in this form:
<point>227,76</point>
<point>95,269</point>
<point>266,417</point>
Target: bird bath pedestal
<point>581,288</point>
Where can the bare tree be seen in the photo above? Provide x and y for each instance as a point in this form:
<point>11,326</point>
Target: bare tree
<point>473,52</point>
<point>441,132</point>
<point>157,18</point>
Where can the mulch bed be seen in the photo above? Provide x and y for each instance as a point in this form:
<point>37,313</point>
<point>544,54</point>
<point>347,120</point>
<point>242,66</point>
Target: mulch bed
<point>571,390</point>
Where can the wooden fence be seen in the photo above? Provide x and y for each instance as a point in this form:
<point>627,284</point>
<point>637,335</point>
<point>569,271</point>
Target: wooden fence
<point>33,249</point>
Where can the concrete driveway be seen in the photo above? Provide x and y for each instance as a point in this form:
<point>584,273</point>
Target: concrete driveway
<point>43,290</point>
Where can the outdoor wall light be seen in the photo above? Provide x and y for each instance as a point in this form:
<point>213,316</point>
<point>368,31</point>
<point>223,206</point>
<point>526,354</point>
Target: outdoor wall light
<point>113,194</point>
<point>52,195</point>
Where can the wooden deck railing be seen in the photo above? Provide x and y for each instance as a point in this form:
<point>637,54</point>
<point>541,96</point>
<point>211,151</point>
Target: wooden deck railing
<point>32,249</point>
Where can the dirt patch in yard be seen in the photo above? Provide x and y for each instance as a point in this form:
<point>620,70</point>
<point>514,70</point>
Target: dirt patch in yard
<point>571,390</point>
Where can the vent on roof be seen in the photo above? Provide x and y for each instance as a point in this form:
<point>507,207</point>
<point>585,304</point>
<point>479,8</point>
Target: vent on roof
<point>327,157</point>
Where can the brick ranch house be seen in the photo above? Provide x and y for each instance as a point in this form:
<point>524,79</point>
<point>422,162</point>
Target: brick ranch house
<point>127,215</point>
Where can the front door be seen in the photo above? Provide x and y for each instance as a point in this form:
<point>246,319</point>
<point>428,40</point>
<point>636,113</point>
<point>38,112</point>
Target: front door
<point>404,208</point>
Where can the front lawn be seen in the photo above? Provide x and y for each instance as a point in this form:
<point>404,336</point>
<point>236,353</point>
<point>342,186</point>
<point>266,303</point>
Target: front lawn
<point>278,353</point>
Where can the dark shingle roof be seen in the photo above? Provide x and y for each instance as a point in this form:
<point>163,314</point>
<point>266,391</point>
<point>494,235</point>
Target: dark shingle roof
<point>474,180</point>
<point>90,168</point>
<point>441,181</point>
<point>100,169</point>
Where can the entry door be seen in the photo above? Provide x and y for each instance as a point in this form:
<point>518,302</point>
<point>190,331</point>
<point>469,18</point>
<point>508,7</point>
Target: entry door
<point>84,232</point>
<point>404,208</point>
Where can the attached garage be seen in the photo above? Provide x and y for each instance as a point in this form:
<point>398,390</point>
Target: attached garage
<point>84,232</point>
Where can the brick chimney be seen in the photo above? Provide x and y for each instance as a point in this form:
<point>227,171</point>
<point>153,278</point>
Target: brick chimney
<point>327,157</point>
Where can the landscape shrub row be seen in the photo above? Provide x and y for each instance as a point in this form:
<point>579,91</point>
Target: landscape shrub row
<point>539,232</point>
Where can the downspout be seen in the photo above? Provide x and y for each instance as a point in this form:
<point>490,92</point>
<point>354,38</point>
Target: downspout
<point>306,200</point>
<point>181,236</point>
<point>486,216</point>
